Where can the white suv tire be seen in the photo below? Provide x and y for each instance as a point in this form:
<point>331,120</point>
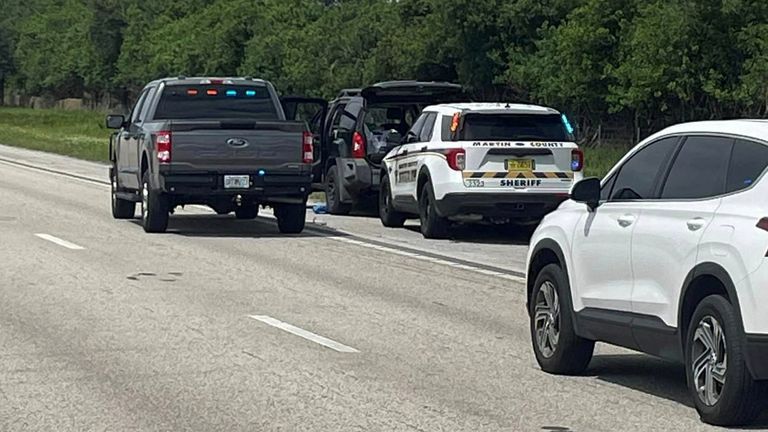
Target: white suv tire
<point>557,347</point>
<point>715,353</point>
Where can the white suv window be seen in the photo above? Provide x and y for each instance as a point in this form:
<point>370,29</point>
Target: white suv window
<point>748,161</point>
<point>699,169</point>
<point>639,177</point>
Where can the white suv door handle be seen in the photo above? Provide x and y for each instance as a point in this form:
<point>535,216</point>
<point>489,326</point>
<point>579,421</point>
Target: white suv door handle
<point>695,224</point>
<point>626,220</point>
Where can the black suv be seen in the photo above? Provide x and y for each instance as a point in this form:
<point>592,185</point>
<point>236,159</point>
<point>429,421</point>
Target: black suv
<point>355,131</point>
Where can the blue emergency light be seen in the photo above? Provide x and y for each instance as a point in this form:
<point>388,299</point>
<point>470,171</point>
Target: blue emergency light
<point>566,123</point>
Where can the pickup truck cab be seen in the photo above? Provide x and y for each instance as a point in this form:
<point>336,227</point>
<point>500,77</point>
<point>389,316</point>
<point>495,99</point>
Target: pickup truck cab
<point>219,142</point>
<point>356,129</point>
<point>479,161</point>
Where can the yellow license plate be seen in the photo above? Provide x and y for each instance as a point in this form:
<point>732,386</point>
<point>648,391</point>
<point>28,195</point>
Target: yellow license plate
<point>520,165</point>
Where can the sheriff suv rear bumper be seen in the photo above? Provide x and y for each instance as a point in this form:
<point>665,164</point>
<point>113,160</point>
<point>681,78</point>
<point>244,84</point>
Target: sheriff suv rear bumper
<point>202,188</point>
<point>499,205</point>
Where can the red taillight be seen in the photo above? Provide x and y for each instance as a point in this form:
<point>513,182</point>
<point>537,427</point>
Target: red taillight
<point>163,146</point>
<point>456,159</point>
<point>358,146</point>
<point>577,160</point>
<point>307,147</point>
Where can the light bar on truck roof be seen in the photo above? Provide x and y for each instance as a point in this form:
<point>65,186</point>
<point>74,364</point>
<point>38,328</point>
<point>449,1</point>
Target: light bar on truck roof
<point>231,93</point>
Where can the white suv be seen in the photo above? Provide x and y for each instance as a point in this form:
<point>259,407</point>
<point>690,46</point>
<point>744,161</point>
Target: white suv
<point>473,161</point>
<point>666,256</point>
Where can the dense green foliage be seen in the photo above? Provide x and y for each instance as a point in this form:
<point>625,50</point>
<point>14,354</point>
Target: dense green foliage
<point>644,62</point>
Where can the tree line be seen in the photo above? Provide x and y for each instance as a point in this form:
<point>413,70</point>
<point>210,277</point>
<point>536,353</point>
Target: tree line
<point>643,62</point>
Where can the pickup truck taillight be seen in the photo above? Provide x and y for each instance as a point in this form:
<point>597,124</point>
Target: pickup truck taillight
<point>358,146</point>
<point>456,159</point>
<point>163,146</point>
<point>577,160</point>
<point>307,146</point>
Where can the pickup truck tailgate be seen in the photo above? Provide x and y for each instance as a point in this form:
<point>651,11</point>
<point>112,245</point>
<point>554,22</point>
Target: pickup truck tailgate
<point>238,146</point>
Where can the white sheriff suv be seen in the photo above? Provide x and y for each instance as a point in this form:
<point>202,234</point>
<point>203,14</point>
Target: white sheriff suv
<point>668,256</point>
<point>473,161</point>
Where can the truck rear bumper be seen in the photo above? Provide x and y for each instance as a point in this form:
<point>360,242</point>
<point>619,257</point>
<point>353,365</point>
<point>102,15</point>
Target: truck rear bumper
<point>499,205</point>
<point>209,187</point>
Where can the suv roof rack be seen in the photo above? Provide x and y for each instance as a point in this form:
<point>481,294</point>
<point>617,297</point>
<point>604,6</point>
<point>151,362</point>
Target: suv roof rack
<point>350,92</point>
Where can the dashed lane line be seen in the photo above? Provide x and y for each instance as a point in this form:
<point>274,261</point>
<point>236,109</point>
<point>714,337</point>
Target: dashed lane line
<point>58,241</point>
<point>308,335</point>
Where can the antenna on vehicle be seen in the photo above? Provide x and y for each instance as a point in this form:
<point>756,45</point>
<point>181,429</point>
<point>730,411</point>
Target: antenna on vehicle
<point>181,77</point>
<point>507,105</point>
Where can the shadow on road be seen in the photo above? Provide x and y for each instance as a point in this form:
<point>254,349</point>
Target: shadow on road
<point>652,376</point>
<point>227,226</point>
<point>487,234</point>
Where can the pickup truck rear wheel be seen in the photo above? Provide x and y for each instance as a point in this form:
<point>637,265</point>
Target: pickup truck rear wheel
<point>247,211</point>
<point>390,217</point>
<point>433,226</point>
<point>333,193</point>
<point>121,209</point>
<point>154,208</point>
<point>291,218</point>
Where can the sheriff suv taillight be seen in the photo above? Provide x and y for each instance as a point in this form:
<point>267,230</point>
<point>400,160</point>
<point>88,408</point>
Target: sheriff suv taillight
<point>307,147</point>
<point>358,146</point>
<point>163,146</point>
<point>577,160</point>
<point>456,159</point>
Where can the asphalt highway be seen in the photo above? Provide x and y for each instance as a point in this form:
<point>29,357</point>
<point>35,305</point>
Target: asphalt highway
<point>225,325</point>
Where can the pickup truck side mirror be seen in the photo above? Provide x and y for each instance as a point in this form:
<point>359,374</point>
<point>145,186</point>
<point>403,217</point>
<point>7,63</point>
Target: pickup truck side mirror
<point>115,121</point>
<point>587,191</point>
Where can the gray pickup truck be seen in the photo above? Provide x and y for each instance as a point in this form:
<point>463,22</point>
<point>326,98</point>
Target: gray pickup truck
<point>219,142</point>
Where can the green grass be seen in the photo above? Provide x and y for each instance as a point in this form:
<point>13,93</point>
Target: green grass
<point>598,161</point>
<point>80,134</point>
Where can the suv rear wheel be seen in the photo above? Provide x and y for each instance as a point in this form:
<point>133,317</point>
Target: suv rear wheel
<point>722,387</point>
<point>333,193</point>
<point>557,347</point>
<point>433,226</point>
<point>390,217</point>
<point>121,209</point>
<point>291,218</point>
<point>154,208</point>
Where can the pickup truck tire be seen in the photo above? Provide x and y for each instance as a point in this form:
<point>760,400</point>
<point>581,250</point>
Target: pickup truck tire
<point>121,209</point>
<point>246,212</point>
<point>433,226</point>
<point>291,218</point>
<point>154,208</point>
<point>390,217</point>
<point>333,193</point>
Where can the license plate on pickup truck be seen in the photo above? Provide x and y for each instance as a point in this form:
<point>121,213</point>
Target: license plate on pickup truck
<point>237,181</point>
<point>520,165</point>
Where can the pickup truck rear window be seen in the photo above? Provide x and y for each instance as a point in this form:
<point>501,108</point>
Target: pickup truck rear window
<point>514,127</point>
<point>216,102</point>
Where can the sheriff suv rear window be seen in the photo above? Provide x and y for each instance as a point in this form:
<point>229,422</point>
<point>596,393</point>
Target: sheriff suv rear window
<point>215,102</point>
<point>514,127</point>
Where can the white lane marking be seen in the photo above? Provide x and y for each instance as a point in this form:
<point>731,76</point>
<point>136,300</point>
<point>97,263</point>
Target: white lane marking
<point>428,259</point>
<point>304,333</point>
<point>60,242</point>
